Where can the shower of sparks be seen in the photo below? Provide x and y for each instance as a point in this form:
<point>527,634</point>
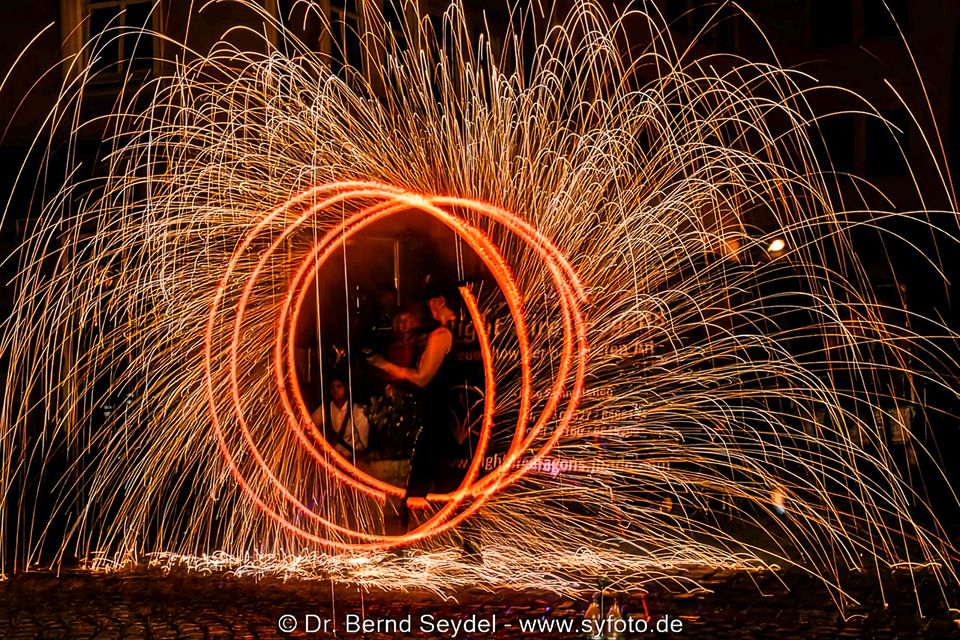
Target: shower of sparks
<point>443,571</point>
<point>613,191</point>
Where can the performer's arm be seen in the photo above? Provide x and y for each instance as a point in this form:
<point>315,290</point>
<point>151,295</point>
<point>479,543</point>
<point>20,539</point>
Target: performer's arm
<point>438,345</point>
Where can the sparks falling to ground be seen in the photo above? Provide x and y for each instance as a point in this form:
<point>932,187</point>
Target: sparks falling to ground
<point>668,359</point>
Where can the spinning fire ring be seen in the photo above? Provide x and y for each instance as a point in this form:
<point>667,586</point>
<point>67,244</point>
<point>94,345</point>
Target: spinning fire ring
<point>374,202</point>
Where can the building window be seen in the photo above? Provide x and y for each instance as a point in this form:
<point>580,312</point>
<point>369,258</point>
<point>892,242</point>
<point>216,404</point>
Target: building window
<point>114,36</point>
<point>123,46</point>
<point>345,50</point>
<point>308,23</point>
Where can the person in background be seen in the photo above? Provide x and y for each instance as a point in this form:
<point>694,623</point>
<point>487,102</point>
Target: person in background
<point>406,344</point>
<point>344,423</point>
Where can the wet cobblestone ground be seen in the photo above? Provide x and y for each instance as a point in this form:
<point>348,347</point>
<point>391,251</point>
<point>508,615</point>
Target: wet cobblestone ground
<point>739,605</point>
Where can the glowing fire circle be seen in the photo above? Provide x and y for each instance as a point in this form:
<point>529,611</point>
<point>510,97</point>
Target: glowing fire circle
<point>374,202</point>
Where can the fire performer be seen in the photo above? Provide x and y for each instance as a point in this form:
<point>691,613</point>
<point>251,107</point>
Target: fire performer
<point>441,433</point>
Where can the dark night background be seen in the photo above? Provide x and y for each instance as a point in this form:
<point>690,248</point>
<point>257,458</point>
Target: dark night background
<point>848,43</point>
<point>853,44</point>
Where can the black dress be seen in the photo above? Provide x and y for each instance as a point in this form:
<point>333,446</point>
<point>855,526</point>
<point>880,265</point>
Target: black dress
<point>435,443</point>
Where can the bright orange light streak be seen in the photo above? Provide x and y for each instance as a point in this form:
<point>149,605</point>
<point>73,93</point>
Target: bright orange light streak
<point>378,211</point>
<point>321,253</point>
<point>232,352</point>
<point>428,527</point>
<point>392,200</point>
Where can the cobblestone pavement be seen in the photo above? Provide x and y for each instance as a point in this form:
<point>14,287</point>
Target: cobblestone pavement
<point>738,605</point>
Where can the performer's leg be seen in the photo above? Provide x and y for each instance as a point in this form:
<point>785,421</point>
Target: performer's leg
<point>421,472</point>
